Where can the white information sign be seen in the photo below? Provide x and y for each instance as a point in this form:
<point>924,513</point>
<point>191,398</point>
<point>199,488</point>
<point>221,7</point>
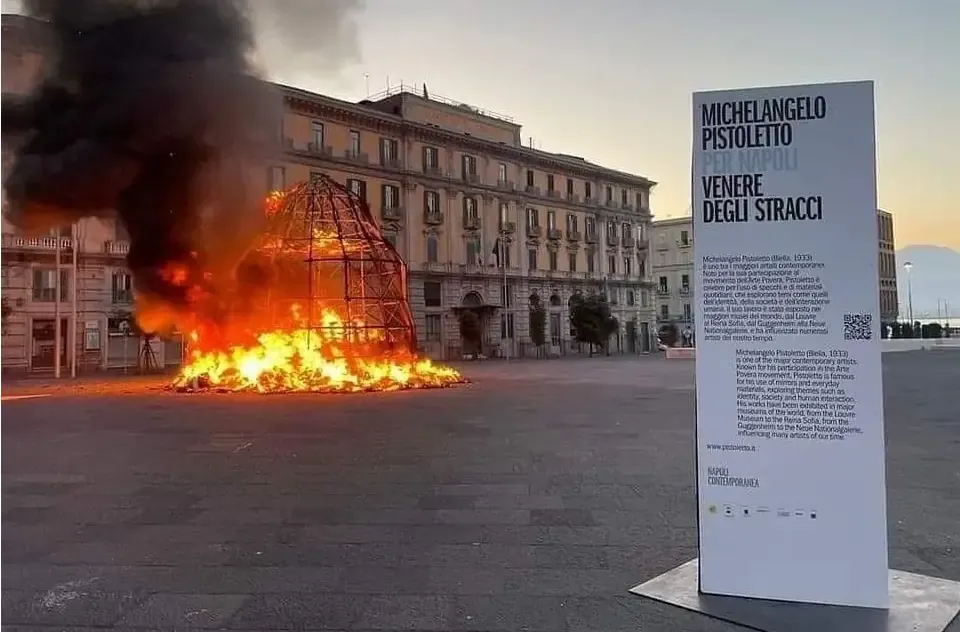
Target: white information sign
<point>790,445</point>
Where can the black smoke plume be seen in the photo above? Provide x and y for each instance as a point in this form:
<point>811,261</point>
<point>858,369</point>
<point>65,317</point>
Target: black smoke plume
<point>149,109</point>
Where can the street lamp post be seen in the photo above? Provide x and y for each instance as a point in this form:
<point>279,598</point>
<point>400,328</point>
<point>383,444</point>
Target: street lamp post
<point>908,266</point>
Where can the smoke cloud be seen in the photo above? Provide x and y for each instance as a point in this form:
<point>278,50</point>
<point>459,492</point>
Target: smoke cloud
<point>150,109</point>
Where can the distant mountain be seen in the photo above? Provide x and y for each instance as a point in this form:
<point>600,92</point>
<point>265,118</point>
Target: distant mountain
<point>935,278</point>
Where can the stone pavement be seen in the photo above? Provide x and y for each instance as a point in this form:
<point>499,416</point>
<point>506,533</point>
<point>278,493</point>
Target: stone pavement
<point>532,499</point>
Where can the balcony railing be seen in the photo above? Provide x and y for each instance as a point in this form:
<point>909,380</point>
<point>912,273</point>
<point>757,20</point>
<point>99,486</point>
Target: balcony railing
<point>358,157</point>
<point>628,242</point>
<point>553,193</point>
<point>506,185</point>
<point>392,212</point>
<point>684,289</point>
<point>323,150</point>
<point>116,247</point>
<point>554,233</point>
<point>432,218</point>
<point>613,240</point>
<point>391,163</point>
<point>590,237</point>
<point>471,222</point>
<point>433,170</point>
<point>36,243</point>
<point>573,235</point>
<point>472,178</point>
<point>684,244</point>
<point>532,190</point>
<point>508,228</point>
<point>534,230</point>
<point>642,244</point>
<point>573,197</point>
<point>663,291</point>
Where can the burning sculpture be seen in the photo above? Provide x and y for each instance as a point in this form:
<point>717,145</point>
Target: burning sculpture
<point>333,314</point>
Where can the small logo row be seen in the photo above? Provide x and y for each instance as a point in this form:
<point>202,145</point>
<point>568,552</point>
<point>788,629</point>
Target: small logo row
<point>731,511</point>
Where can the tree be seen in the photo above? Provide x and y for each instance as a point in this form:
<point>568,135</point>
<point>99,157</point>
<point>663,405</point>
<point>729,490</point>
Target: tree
<point>470,330</point>
<point>538,324</point>
<point>591,320</point>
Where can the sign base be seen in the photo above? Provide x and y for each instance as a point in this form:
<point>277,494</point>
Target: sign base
<point>918,603</point>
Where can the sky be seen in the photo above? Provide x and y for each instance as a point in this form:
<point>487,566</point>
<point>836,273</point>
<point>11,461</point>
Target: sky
<point>611,80</point>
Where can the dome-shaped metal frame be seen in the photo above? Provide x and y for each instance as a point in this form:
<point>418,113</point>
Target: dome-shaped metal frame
<point>329,254</point>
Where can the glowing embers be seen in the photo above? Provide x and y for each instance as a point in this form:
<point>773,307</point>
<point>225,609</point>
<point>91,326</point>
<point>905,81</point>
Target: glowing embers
<point>331,313</point>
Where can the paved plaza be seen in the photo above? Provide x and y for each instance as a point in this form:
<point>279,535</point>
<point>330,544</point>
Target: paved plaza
<point>532,499</point>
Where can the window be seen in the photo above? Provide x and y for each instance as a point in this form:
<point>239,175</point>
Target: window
<point>685,281</point>
<point>591,262</point>
<point>571,223</point>
<point>612,229</point>
<point>277,179</point>
<point>354,142</point>
<point>468,166</point>
<point>473,251</point>
<point>314,176</point>
<point>625,230</point>
<point>431,202</point>
<point>533,218</point>
<point>572,261</point>
<point>631,298</point>
<point>504,213</point>
<point>506,294</point>
<point>684,238</point>
<point>590,224</point>
<point>122,287</point>
<point>686,311</point>
<point>665,312</point>
<point>611,264</point>
<point>609,192</point>
<point>549,182</point>
<point>433,324</point>
<point>431,158</point>
<point>642,268</point>
<point>316,131</point>
<point>552,259</point>
<point>623,197</point>
<point>502,248</point>
<point>643,298</point>
<point>628,265</point>
<point>432,293</point>
<point>551,220</point>
<point>639,200</point>
<point>588,190</point>
<point>662,284</point>
<point>529,177</point>
<point>44,284</point>
<point>389,151</point>
<point>506,325</point>
<point>502,173</point>
<point>532,259</point>
<point>390,196</point>
<point>469,209</point>
<point>357,187</point>
<point>569,186</point>
<point>432,249</point>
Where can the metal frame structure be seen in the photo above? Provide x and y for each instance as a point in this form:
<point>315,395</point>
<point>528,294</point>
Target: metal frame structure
<point>330,255</point>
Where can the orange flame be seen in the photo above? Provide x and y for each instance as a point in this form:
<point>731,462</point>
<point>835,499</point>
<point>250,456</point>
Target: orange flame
<point>333,357</point>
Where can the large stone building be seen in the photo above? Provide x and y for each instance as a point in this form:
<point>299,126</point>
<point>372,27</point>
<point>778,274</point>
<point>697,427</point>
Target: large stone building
<point>447,182</point>
<point>672,259</point>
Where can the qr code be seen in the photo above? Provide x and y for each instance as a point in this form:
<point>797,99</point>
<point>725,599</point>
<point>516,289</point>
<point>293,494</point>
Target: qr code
<point>858,326</point>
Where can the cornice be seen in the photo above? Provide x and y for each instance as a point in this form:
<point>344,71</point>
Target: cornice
<point>347,112</point>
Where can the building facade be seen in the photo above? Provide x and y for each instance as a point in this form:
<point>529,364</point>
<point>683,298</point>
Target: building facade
<point>889,300</point>
<point>482,221</point>
<point>672,243</point>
